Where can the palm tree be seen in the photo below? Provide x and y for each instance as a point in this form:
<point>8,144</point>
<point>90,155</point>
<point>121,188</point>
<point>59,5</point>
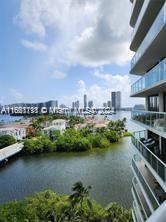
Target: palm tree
<point>72,213</point>
<point>69,214</point>
<point>36,125</point>
<point>80,194</point>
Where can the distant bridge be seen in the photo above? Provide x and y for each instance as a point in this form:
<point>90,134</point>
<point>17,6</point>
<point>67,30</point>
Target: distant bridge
<point>11,150</point>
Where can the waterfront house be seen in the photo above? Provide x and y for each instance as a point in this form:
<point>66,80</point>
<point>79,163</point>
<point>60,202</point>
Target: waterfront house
<point>58,124</point>
<point>18,133</point>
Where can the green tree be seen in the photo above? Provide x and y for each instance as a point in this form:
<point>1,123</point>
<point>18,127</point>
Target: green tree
<point>80,194</point>
<point>47,206</point>
<point>75,211</point>
<point>117,213</point>
<point>112,135</point>
<point>6,140</point>
<point>38,145</point>
<point>72,140</point>
<point>98,140</point>
<point>118,126</point>
<point>75,120</point>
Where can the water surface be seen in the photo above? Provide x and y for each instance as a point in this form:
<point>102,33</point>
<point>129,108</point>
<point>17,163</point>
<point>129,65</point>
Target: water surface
<point>108,171</point>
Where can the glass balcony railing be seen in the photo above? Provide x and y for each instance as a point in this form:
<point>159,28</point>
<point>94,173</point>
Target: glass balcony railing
<point>139,203</point>
<point>156,120</point>
<point>137,212</point>
<point>154,202</point>
<point>154,76</point>
<point>157,25</point>
<point>134,215</point>
<point>157,164</point>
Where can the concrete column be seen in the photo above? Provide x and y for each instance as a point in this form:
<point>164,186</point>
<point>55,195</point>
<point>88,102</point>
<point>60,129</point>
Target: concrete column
<point>161,102</point>
<point>146,103</point>
<point>160,144</point>
<point>161,109</point>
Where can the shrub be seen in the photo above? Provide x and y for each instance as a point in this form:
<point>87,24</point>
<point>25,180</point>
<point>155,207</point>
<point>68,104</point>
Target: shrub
<point>98,141</point>
<point>126,133</point>
<point>38,145</point>
<point>112,136</point>
<point>48,206</point>
<point>6,140</point>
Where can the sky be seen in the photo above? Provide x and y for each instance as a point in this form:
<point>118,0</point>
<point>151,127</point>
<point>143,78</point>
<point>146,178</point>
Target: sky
<point>62,49</point>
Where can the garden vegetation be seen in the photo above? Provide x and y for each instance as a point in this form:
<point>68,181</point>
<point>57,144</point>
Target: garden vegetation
<point>6,140</point>
<point>47,206</point>
<point>77,140</point>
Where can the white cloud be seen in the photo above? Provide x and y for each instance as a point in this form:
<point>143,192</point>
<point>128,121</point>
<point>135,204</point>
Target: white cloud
<point>58,75</point>
<point>89,32</point>
<point>16,94</point>
<point>107,41</point>
<point>102,93</point>
<point>38,46</point>
<point>86,32</point>
<point>89,50</point>
<point>119,83</point>
<point>35,16</point>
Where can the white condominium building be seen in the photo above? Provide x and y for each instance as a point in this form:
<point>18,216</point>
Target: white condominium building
<point>148,41</point>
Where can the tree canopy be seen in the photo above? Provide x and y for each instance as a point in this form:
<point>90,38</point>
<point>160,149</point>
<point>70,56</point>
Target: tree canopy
<point>76,140</point>
<point>6,140</point>
<point>47,206</point>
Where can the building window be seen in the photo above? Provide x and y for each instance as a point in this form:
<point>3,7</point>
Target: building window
<point>153,103</point>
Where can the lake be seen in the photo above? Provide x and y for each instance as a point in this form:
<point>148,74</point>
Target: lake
<point>107,170</point>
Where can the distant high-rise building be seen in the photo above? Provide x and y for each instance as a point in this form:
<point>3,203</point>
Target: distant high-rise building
<point>77,104</point>
<point>109,104</point>
<point>85,101</point>
<point>105,105</point>
<point>56,103</point>
<point>90,104</point>
<point>47,104</point>
<point>62,106</point>
<point>116,100</point>
<point>51,103</point>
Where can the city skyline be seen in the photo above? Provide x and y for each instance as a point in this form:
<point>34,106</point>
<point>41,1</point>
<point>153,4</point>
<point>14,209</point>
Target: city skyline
<point>114,102</point>
<point>48,61</point>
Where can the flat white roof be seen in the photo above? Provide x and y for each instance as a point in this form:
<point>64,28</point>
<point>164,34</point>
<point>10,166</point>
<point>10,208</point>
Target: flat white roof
<point>11,128</point>
<point>59,120</point>
<point>50,128</point>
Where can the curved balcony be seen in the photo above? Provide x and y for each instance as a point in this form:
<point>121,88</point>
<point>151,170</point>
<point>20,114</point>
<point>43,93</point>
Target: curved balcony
<point>147,211</point>
<point>159,214</point>
<point>134,216</point>
<point>153,47</point>
<point>136,8</point>
<point>150,192</point>
<point>151,79</point>
<point>155,121</point>
<point>156,165</point>
<point>144,20</point>
<point>141,14</point>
